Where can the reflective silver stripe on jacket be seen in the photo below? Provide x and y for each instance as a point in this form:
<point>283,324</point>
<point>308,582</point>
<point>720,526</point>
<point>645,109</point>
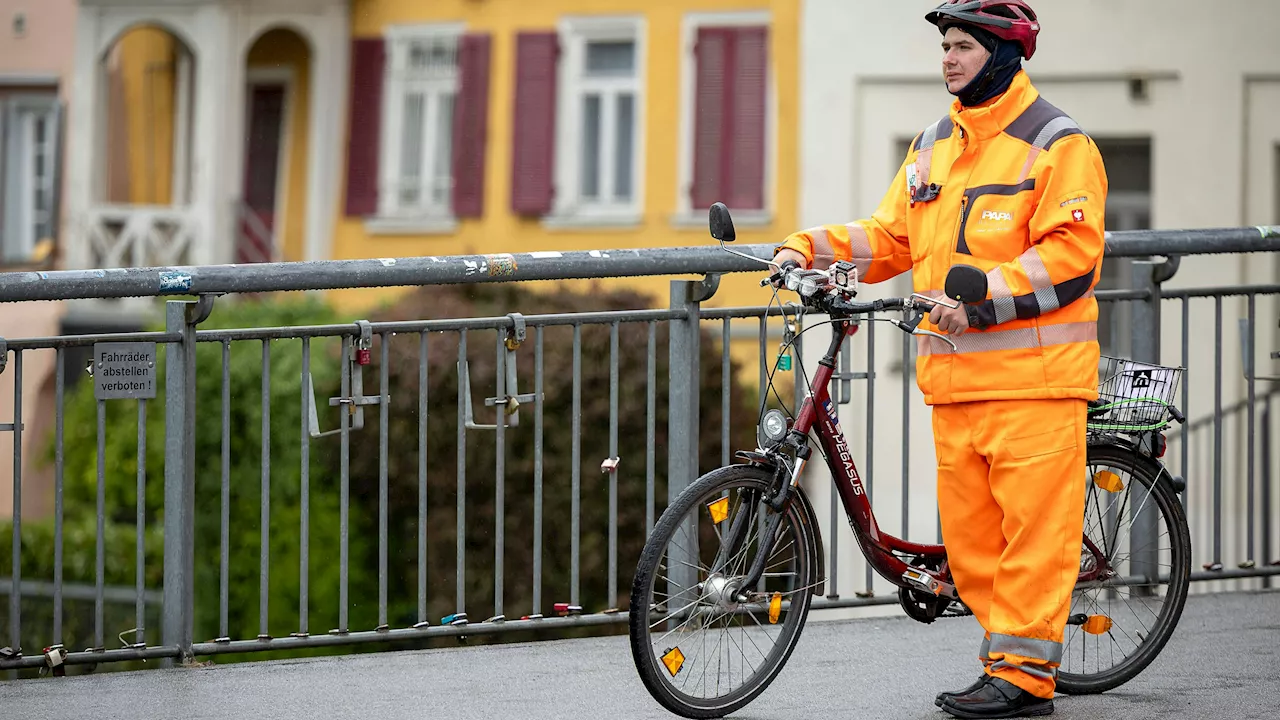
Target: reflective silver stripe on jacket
<point>1041,284</point>
<point>1017,339</point>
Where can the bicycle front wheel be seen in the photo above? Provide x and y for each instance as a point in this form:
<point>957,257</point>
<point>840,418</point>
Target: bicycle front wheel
<point>1122,617</point>
<point>703,647</point>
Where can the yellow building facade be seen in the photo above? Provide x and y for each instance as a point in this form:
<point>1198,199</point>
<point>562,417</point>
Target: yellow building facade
<point>617,68</point>
<point>657,110</point>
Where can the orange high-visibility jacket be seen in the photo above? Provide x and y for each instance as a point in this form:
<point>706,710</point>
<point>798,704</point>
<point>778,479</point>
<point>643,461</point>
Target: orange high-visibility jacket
<point>1017,190</point>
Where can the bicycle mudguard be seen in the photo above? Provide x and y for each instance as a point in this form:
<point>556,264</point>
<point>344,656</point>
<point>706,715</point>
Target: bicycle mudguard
<point>1125,443</point>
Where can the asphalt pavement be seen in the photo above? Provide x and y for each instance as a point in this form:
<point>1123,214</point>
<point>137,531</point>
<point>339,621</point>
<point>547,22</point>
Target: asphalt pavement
<point>1223,662</point>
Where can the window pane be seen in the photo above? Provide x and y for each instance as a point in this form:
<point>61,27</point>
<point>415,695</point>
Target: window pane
<point>611,59</point>
<point>443,151</point>
<point>623,162</point>
<point>411,147</point>
<point>591,147</point>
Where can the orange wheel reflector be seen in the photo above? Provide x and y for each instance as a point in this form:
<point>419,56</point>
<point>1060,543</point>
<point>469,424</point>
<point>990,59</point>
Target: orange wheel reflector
<point>719,510</point>
<point>1108,481</point>
<point>1097,624</point>
<point>674,660</point>
<point>775,608</point>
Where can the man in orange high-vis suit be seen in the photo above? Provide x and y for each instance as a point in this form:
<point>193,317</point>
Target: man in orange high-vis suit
<point>1008,183</point>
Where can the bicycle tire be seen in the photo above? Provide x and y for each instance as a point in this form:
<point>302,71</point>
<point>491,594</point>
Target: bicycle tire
<point>641,597</point>
<point>1148,472</point>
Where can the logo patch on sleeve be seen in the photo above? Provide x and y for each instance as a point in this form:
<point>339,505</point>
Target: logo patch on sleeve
<point>1077,215</point>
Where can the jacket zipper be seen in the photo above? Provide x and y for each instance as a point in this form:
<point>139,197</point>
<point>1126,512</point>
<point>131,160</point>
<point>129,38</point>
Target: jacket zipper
<point>964,216</point>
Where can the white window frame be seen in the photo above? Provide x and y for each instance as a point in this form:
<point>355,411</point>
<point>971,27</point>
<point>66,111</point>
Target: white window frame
<point>393,217</point>
<point>685,216</point>
<point>19,201</point>
<point>570,209</point>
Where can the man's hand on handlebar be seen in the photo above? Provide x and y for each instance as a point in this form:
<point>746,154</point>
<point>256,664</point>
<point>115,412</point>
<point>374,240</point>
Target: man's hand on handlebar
<point>785,259</point>
<point>950,321</point>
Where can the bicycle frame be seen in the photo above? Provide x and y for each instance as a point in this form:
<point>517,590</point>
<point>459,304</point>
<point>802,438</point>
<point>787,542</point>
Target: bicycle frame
<point>877,546</point>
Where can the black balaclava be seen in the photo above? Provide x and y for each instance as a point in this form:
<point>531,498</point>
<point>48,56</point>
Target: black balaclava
<point>996,76</point>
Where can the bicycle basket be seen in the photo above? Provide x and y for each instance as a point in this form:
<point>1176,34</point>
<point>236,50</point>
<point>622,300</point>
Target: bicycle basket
<point>1133,396</point>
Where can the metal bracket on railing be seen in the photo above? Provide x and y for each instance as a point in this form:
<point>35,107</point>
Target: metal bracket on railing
<point>1246,355</point>
<point>705,290</point>
<point>202,308</point>
<point>355,404</point>
<point>511,401</point>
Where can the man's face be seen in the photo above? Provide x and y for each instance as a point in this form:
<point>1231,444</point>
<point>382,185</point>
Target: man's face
<point>962,59</point>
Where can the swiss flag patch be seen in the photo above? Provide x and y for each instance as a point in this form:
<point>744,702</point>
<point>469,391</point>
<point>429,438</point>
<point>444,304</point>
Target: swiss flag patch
<point>1077,215</point>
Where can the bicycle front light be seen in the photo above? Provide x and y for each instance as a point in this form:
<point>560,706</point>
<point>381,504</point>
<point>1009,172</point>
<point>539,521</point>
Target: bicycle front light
<point>774,426</point>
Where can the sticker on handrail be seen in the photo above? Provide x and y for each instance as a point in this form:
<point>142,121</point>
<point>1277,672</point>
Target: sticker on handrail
<point>175,282</point>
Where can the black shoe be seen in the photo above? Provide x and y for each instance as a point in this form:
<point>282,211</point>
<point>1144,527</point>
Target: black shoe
<point>997,698</point>
<point>982,680</point>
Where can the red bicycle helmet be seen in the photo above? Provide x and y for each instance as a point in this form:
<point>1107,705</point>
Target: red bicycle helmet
<point>1012,20</point>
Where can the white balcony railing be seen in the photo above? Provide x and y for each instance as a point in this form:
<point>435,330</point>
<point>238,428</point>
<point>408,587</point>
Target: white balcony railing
<point>121,236</point>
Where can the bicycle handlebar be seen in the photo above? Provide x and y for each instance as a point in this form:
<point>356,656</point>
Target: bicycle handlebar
<point>829,292</point>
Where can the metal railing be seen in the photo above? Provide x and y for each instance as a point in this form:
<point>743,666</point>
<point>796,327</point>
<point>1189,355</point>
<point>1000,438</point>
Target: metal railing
<point>556,460</point>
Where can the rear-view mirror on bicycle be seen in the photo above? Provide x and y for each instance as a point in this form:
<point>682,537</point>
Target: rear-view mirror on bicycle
<point>721,223</point>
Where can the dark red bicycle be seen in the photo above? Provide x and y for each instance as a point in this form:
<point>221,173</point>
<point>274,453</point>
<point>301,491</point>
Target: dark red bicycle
<point>725,581</point>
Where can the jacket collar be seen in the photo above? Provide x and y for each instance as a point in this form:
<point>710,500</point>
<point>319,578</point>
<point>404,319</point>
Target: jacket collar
<point>986,122</point>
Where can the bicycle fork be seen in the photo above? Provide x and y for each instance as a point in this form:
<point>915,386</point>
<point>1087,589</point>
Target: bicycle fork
<point>737,537</point>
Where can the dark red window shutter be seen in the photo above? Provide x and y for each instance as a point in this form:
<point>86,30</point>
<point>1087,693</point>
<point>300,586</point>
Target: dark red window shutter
<point>712,58</point>
<point>471,125</point>
<point>368,60</point>
<point>534,134</point>
<point>729,126</point>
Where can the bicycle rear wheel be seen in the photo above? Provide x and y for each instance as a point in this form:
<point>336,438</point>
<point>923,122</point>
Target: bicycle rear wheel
<point>700,651</point>
<point>1121,621</point>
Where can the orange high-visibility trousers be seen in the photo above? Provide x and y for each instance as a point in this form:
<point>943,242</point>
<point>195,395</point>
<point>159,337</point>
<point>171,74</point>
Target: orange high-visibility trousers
<point>1011,500</point>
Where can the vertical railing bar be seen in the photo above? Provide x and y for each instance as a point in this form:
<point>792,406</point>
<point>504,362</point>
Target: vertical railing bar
<point>344,461</point>
<point>422,476</point>
<point>140,532</point>
<point>224,566</point>
<point>1186,391</point>
<point>613,455</point>
<point>383,407</point>
<point>100,568</point>
<point>1264,555</point>
<point>906,436</point>
<point>499,484</point>
<point>59,445</point>
<point>797,371</point>
<point>537,473</point>
<point>764,361</point>
<point>651,420</point>
<point>724,392</point>
<point>264,549</point>
<point>576,509</point>
<point>1217,432</point>
<point>869,475</point>
<point>304,567</point>
<point>15,594</point>
<point>461,511</point>
<point>1249,472</point>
